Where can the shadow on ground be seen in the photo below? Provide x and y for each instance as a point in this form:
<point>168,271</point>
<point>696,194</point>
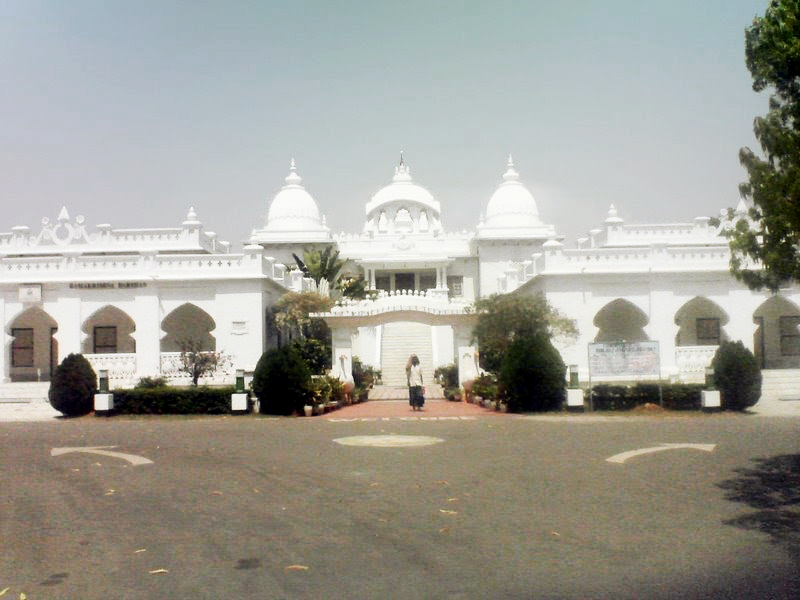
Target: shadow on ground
<point>772,488</point>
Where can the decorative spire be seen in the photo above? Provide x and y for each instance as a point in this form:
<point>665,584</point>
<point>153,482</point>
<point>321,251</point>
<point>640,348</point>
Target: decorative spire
<point>293,178</point>
<point>63,216</point>
<point>402,172</point>
<point>511,173</point>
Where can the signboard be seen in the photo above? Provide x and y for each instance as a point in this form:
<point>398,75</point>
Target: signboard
<point>624,359</point>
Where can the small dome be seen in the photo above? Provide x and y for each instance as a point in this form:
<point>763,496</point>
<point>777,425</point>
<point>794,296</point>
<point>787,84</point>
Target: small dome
<point>293,208</point>
<point>512,205</point>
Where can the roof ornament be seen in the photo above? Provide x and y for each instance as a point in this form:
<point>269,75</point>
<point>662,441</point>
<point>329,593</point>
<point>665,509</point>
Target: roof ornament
<point>293,178</point>
<point>402,172</point>
<point>511,173</point>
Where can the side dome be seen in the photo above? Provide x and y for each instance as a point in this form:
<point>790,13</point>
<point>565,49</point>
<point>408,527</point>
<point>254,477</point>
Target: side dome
<point>512,205</point>
<point>293,208</point>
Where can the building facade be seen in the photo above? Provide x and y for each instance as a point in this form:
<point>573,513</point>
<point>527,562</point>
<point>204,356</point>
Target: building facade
<point>129,299</point>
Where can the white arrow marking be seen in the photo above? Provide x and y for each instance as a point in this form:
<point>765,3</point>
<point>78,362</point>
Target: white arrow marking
<point>622,457</point>
<point>131,458</point>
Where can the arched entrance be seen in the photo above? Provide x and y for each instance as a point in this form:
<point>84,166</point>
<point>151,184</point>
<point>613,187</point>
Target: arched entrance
<point>620,321</point>
<point>33,351</point>
<point>108,331</point>
<point>188,323</point>
<point>701,322</point>
<point>776,342</point>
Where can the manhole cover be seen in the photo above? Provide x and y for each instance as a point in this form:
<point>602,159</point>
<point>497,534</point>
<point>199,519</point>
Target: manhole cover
<point>388,441</point>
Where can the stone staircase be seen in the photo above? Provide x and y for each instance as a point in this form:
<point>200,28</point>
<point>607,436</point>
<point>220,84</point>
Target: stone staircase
<point>25,392</point>
<point>398,342</point>
<point>780,384</point>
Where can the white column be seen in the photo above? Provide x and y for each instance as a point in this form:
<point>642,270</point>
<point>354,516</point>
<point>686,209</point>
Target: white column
<point>342,352</point>
<point>5,344</point>
<point>67,313</point>
<point>148,334</point>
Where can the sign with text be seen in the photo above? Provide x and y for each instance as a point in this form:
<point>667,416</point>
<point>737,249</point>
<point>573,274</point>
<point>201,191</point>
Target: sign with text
<point>624,359</point>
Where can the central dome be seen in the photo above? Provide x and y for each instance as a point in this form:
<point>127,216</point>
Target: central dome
<point>403,207</point>
<point>402,188</point>
<point>512,205</point>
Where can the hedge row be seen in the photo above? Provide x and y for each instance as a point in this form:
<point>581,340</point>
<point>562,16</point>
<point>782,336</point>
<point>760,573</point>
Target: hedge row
<point>675,396</point>
<point>173,401</point>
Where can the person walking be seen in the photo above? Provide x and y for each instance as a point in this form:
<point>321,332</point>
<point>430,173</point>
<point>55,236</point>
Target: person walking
<point>415,395</point>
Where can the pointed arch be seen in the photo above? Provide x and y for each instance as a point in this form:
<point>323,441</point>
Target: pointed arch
<point>776,342</point>
<point>108,331</point>
<point>32,351</point>
<point>620,321</point>
<point>188,322</point>
<point>701,322</point>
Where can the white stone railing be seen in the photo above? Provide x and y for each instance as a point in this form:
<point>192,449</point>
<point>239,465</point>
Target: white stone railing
<point>657,258</point>
<point>120,367</point>
<point>172,369</point>
<point>142,267</point>
<point>431,301</point>
<point>692,362</point>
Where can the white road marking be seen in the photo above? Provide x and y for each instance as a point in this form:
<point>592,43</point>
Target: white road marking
<point>373,419</point>
<point>131,458</point>
<point>623,456</point>
<point>388,441</point>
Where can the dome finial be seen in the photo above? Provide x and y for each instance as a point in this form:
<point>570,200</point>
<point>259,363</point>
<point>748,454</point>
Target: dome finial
<point>401,158</point>
<point>511,173</point>
<point>293,178</point>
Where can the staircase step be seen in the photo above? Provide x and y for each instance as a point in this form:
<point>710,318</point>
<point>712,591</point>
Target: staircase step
<point>24,392</point>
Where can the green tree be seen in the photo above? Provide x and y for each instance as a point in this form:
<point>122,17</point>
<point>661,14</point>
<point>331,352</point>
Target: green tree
<point>503,318</point>
<point>327,265</point>
<point>532,375</point>
<point>764,248</point>
<point>197,362</point>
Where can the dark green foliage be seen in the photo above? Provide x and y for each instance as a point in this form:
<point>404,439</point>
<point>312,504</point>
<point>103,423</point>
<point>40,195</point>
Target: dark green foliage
<point>152,382</point>
<point>447,376</point>
<point>73,386</point>
<point>772,53</point>
<point>737,376</point>
<point>173,401</point>
<point>486,386</point>
<point>532,375</point>
<point>315,353</point>
<point>611,397</point>
<point>503,318</point>
<point>364,376</point>
<point>677,396</point>
<point>281,381</point>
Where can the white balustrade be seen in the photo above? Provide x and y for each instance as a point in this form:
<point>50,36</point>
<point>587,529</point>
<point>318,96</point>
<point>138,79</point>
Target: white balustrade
<point>121,367</point>
<point>172,369</point>
<point>692,362</point>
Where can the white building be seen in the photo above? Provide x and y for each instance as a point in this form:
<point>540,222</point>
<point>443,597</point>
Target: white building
<point>126,298</point>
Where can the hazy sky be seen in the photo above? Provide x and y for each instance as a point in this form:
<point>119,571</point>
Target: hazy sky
<point>130,112</point>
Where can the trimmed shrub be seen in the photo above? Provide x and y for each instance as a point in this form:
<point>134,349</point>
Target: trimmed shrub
<point>532,375</point>
<point>678,396</point>
<point>737,375</point>
<point>486,386</point>
<point>447,376</point>
<point>152,382</point>
<point>281,381</point>
<point>173,401</point>
<point>73,386</point>
<point>611,397</point>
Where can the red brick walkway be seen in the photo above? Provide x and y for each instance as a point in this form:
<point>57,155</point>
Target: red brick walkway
<point>401,408</point>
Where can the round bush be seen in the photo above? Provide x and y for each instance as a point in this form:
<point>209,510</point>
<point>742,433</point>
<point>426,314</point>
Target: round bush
<point>532,375</point>
<point>281,381</point>
<point>73,386</point>
<point>737,376</point>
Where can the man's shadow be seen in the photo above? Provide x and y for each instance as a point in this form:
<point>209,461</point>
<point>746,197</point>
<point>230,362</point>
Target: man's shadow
<point>772,488</point>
